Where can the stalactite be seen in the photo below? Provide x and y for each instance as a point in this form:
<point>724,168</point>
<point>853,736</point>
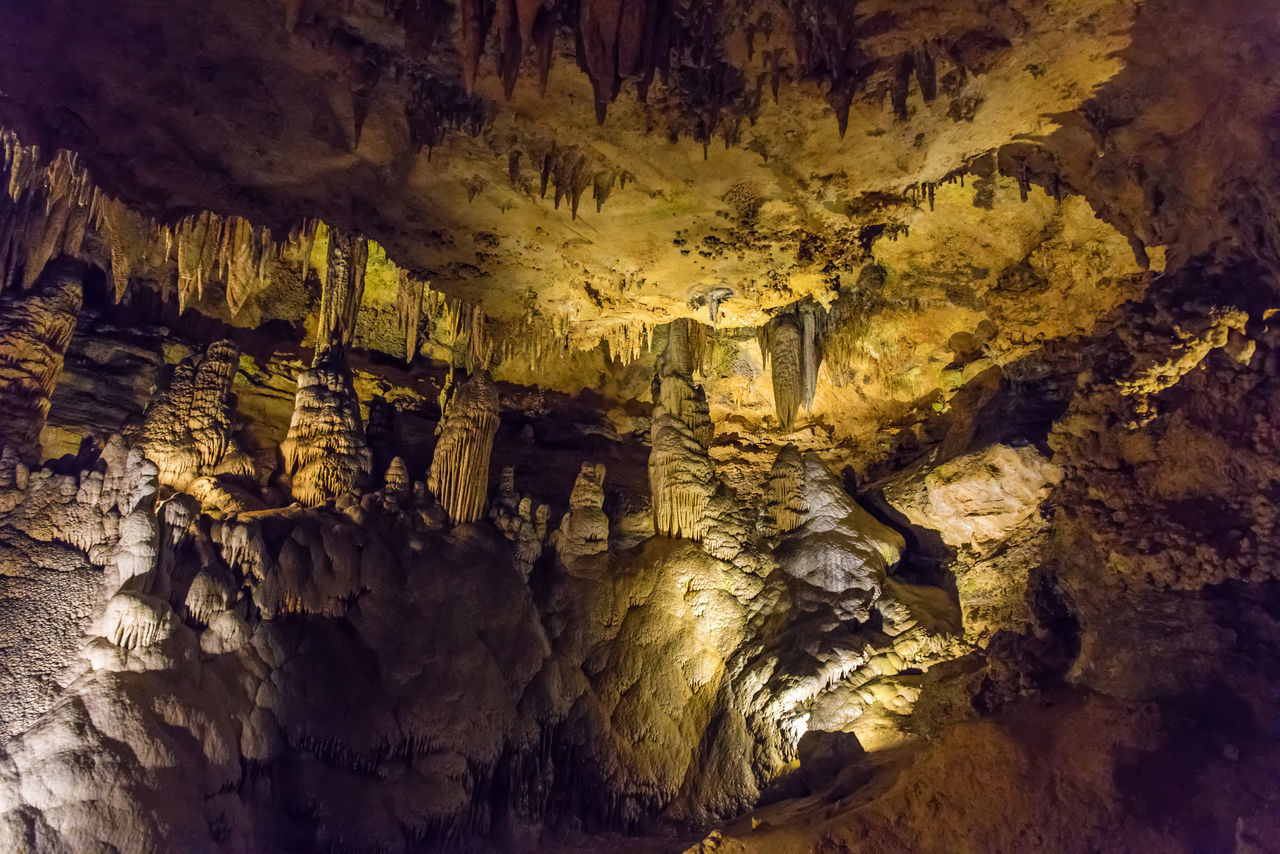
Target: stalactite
<point>786,353</point>
<point>459,474</point>
<point>340,300</point>
<point>306,241</point>
<point>474,16</point>
<point>409,300</point>
<point>792,344</point>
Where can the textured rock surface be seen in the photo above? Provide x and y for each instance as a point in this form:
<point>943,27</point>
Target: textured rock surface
<point>928,347</point>
<point>459,475</point>
<point>35,328</point>
<point>188,430</point>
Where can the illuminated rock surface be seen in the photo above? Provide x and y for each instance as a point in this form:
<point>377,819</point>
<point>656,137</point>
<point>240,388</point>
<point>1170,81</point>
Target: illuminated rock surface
<point>639,426</point>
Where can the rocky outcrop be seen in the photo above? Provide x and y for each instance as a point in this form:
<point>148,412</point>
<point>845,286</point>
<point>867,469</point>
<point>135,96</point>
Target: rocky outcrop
<point>35,329</point>
<point>988,509</point>
<point>66,543</point>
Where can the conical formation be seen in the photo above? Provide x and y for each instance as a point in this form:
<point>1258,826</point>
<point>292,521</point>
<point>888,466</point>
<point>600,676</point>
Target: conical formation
<point>35,330</point>
<point>459,475</point>
<point>584,530</point>
<point>682,477</point>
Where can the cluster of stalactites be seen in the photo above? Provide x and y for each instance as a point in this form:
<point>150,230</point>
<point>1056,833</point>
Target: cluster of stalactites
<point>478,342</point>
<point>45,213</point>
<point>410,297</point>
<point>681,474</point>
<point>459,475</point>
<point>340,299</point>
<point>791,342</point>
<point>52,202</point>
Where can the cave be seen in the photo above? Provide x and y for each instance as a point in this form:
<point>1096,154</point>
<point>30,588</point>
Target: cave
<point>553,426</point>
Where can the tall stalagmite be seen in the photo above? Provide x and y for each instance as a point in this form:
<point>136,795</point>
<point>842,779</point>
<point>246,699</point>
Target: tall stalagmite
<point>681,474</point>
<point>35,329</point>
<point>187,430</point>
<point>459,475</point>
<point>325,452</point>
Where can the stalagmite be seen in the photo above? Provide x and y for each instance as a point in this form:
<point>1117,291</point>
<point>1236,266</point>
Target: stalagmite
<point>325,453</point>
<point>35,330</point>
<point>836,550</point>
<point>459,475</point>
<point>584,530</point>
<point>681,474</point>
<point>396,482</point>
<point>187,430</point>
<point>519,521</point>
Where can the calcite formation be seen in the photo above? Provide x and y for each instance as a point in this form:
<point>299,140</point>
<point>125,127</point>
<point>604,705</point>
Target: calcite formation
<point>516,517</point>
<point>930,349</point>
<point>584,530</point>
<point>35,329</point>
<point>325,454</point>
<point>681,474</point>
<point>343,289</point>
<point>459,475</point>
<point>188,430</point>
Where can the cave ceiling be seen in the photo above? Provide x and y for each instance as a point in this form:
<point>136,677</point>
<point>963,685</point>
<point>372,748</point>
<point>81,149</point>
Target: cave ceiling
<point>774,154</point>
